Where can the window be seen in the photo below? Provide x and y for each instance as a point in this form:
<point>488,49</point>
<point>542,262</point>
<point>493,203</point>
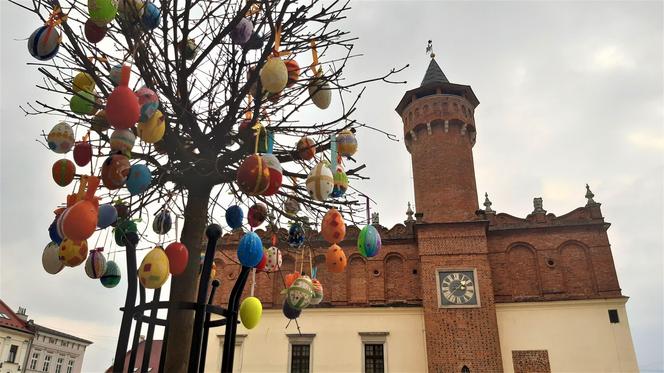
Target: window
<point>373,358</point>
<point>613,316</point>
<point>70,366</point>
<point>47,363</point>
<point>4,316</point>
<point>300,358</point>
<point>33,361</point>
<point>465,369</point>
<point>58,365</point>
<point>13,350</point>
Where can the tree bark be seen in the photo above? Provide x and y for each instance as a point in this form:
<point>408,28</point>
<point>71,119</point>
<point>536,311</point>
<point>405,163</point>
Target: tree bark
<point>184,287</point>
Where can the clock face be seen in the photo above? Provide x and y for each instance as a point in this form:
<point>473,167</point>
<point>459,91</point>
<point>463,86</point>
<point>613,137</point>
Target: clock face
<point>458,288</point>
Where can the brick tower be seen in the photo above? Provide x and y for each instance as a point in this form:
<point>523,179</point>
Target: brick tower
<point>457,288</point>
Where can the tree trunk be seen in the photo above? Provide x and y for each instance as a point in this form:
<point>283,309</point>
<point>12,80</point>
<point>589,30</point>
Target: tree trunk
<point>184,287</point>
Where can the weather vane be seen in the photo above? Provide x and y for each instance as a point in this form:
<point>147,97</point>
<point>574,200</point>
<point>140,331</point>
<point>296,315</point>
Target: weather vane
<point>429,50</point>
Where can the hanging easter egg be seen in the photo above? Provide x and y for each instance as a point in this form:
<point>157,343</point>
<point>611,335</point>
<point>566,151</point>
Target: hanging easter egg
<point>122,109</point>
<point>83,103</point>
<point>61,138</point>
<point>295,235</point>
<point>162,222</point>
<point>80,220</point>
<point>51,258</point>
<point>306,148</point>
<point>241,33</point>
<point>251,310</point>
<point>139,179</point>
<point>273,262</point>
<point>234,217</point>
<point>114,171</point>
<point>63,172</point>
<point>290,278</point>
<point>153,130</point>
<point>320,92</point>
<point>290,312</point>
<point>151,16</point>
<point>253,176</point>
<point>317,289</point>
<point>320,182</point>
<point>261,265</point>
<point>148,101</point>
<point>254,42</point>
<point>250,250</point>
<point>276,174</point>
<point>299,293</point>
<point>154,269</point>
<point>248,132</point>
<point>274,75</point>
<point>188,49</point>
<point>122,141</point>
<point>99,123</point>
<point>131,10</point>
<point>333,228</point>
<point>44,43</point>
<point>115,74</point>
<point>94,33</point>
<point>291,206</point>
<point>346,143</point>
<point>257,214</point>
<point>122,229</point>
<point>73,253</point>
<point>335,259</point>
<point>106,215</point>
<point>95,265</point>
<point>82,153</point>
<point>53,233</point>
<point>293,72</point>
<point>102,12</point>
<point>340,183</point>
<point>111,276</point>
<point>368,242</point>
<point>83,82</point>
<point>178,257</point>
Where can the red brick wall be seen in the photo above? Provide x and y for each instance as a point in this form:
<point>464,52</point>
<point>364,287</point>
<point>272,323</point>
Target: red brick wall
<point>531,361</point>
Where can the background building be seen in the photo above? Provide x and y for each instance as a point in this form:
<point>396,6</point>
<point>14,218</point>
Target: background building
<point>455,288</point>
<point>15,338</point>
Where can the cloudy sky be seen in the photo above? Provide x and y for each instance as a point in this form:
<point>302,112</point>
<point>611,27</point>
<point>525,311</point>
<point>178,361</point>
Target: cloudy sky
<point>571,93</point>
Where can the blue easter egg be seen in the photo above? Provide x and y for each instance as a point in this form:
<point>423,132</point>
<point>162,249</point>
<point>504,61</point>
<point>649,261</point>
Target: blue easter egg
<point>151,16</point>
<point>139,179</point>
<point>368,242</point>
<point>53,233</point>
<point>106,216</point>
<point>250,250</point>
<point>44,43</point>
<point>162,222</point>
<point>295,235</point>
<point>234,216</point>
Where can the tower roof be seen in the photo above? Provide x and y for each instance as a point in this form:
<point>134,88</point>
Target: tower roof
<point>434,74</point>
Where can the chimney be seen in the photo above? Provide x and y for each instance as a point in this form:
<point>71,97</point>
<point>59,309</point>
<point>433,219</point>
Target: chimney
<point>21,313</point>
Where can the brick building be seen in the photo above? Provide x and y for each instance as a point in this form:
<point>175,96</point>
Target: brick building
<point>455,288</point>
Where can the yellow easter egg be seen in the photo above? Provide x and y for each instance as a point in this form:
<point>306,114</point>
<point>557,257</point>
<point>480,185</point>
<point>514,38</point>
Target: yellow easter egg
<point>83,82</point>
<point>153,271</point>
<point>73,253</point>
<point>152,130</point>
<point>251,311</point>
<point>274,75</point>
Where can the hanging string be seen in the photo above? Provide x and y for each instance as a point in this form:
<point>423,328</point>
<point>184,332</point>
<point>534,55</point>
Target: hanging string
<point>253,281</point>
<point>314,55</point>
<point>311,265</point>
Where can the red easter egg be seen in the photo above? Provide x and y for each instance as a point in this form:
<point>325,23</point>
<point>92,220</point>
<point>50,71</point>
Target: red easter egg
<point>306,148</point>
<point>63,172</point>
<point>122,108</point>
<point>257,214</point>
<point>290,278</point>
<point>333,228</point>
<point>261,265</point>
<point>293,72</point>
<point>253,176</point>
<point>178,256</point>
<point>82,153</point>
<point>114,171</point>
<point>276,174</point>
<point>80,221</point>
<point>94,32</point>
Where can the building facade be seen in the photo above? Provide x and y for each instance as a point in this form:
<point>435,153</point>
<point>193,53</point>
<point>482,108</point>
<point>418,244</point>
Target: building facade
<point>455,288</point>
<point>15,338</point>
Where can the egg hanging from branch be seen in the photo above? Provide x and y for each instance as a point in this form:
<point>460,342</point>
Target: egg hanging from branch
<point>274,75</point>
<point>95,265</point>
<point>320,182</point>
<point>368,242</point>
<point>335,259</point>
<point>154,269</point>
<point>112,275</point>
<point>276,174</point>
<point>44,43</point>
<point>333,228</point>
<point>63,172</point>
<point>250,250</point>
<point>253,175</point>
<point>61,138</point>
<point>251,311</point>
<point>73,253</point>
<point>51,260</point>
<point>122,108</point>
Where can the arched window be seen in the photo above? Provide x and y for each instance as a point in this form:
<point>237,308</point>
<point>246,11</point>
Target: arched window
<point>465,369</point>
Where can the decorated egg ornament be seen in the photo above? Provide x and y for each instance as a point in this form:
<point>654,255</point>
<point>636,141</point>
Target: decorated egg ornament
<point>295,235</point>
<point>306,148</point>
<point>346,143</point>
<point>250,250</point>
<point>320,182</point>
<point>290,278</point>
<point>300,292</point>
<point>73,253</point>
<point>154,269</point>
<point>138,179</point>
<point>122,109</point>
<point>112,275</point>
<point>53,232</point>
<point>51,260</point>
<point>94,33</point>
<point>290,312</point>
<point>83,103</point>
<point>368,242</point>
<point>122,141</point>
<point>242,31</point>
<point>234,217</point>
<point>153,130</point>
<point>151,16</point>
<point>162,222</point>
<point>106,215</point>
<point>102,12</point>
<point>115,74</point>
<point>178,256</point>
<point>82,153</point>
<point>320,92</point>
<point>333,228</point>
<point>114,171</point>
<point>335,259</point>
<point>293,72</point>
<point>276,174</point>
<point>251,311</point>
<point>257,214</point>
<point>340,183</point>
<point>122,230</point>
<point>44,43</point>
<point>61,138</point>
<point>148,101</point>
<point>317,289</point>
<point>253,175</point>
<point>188,49</point>
<point>291,206</point>
<point>63,172</point>
<point>95,265</point>
<point>273,262</point>
<point>274,75</point>
<point>83,82</point>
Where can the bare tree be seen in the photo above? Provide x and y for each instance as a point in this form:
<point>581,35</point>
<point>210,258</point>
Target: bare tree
<point>208,80</point>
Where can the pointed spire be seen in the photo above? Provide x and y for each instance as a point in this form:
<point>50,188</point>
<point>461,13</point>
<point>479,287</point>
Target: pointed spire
<point>434,73</point>
<point>589,196</point>
<point>487,204</point>
<point>409,214</point>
